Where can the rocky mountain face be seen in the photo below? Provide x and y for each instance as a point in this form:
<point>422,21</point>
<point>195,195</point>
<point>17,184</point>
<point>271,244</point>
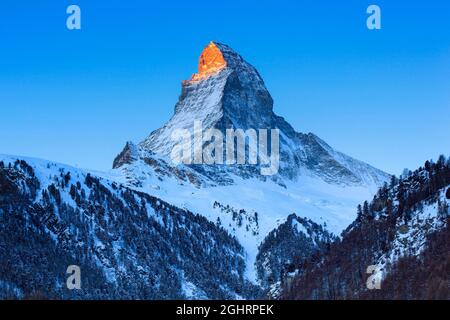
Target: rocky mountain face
<point>128,244</point>
<point>403,233</point>
<point>229,93</point>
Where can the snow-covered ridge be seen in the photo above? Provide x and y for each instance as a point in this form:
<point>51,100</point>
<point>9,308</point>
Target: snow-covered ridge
<point>128,244</point>
<point>398,242</point>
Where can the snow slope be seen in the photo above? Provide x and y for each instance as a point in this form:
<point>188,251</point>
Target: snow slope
<point>333,206</point>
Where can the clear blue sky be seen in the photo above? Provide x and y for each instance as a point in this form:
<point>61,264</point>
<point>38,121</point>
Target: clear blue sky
<point>77,96</point>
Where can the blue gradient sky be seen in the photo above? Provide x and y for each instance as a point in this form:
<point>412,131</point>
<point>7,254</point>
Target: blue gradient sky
<point>77,96</point>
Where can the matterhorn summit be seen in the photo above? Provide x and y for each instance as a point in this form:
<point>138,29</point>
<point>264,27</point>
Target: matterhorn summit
<point>226,93</point>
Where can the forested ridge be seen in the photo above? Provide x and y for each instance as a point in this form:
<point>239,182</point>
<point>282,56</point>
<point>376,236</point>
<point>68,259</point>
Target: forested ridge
<point>404,229</point>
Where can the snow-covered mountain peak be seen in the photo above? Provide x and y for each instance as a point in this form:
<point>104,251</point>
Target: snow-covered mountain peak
<point>210,62</point>
<point>229,93</point>
<point>216,57</point>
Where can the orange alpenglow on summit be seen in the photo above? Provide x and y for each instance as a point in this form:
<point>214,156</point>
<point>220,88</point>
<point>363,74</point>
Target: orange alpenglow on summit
<point>211,61</point>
